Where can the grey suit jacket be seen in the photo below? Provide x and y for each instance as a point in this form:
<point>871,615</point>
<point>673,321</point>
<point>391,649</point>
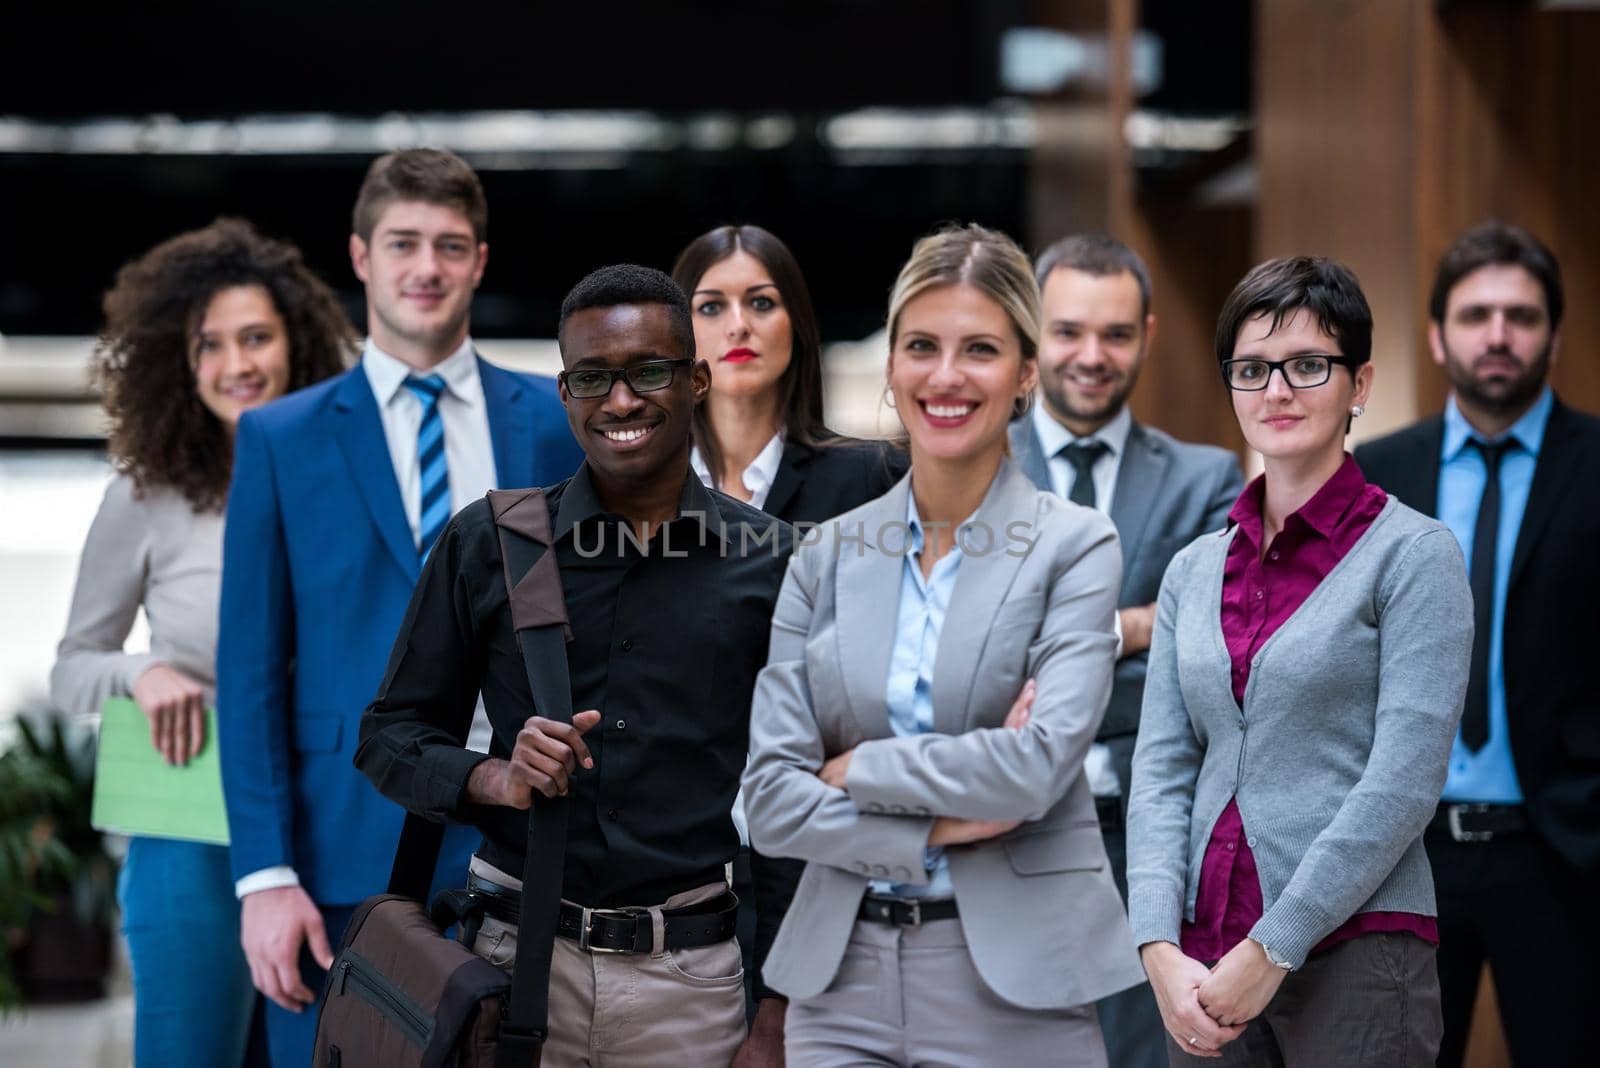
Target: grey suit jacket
<point>1169,492</point>
<point>1039,910</point>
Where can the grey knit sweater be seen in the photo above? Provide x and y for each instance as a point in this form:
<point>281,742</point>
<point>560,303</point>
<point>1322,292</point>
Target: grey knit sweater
<point>1339,754</point>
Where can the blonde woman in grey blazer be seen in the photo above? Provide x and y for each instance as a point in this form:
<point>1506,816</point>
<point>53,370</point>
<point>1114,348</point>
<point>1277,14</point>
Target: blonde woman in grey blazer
<point>957,906</point>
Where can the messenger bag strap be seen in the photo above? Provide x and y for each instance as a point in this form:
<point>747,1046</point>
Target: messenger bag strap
<point>539,617</point>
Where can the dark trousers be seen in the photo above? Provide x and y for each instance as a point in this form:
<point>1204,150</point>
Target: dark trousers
<point>1515,903</point>
<point>1371,1002</point>
<point>1130,1019</point>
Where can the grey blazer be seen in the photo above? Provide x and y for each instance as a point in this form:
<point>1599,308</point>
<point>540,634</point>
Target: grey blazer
<point>1169,492</point>
<point>1040,913</point>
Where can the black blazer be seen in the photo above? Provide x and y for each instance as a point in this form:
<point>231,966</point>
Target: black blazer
<point>1552,617</point>
<point>818,483</point>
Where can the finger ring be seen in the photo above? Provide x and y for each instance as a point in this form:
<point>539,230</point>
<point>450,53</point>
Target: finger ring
<point>1193,1040</point>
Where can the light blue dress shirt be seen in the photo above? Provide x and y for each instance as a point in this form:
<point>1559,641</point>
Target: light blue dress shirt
<point>923,603</point>
<point>1489,775</point>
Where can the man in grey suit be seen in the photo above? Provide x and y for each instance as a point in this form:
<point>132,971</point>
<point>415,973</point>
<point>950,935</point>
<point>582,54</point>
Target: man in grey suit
<point>1083,443</point>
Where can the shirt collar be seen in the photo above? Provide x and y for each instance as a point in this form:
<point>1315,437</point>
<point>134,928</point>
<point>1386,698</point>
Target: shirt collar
<point>388,374</point>
<point>579,502</point>
<point>1322,513</point>
<point>1528,431</point>
<point>1053,437</point>
<point>758,476</point>
<point>914,521</point>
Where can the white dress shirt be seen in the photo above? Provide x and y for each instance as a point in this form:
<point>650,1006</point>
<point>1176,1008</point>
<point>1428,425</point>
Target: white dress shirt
<point>1053,437</point>
<point>469,456</point>
<point>757,478</point>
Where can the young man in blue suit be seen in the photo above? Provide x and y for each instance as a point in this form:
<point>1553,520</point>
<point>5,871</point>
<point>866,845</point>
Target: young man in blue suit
<point>338,493</point>
<point>1082,442</point>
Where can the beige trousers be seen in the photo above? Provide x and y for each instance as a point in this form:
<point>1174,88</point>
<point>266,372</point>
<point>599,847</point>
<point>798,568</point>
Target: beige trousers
<point>633,1010</point>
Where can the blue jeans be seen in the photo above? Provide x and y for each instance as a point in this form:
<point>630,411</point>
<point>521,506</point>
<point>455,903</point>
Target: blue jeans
<point>192,993</point>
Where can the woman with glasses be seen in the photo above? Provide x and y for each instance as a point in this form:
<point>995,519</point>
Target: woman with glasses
<point>1306,675</point>
<point>957,906</point>
<point>199,330</point>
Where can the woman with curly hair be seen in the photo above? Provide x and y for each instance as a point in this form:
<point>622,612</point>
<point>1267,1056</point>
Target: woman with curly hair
<point>200,329</point>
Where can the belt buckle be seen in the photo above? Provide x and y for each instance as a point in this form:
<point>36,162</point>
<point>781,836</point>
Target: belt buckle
<point>914,907</point>
<point>1453,820</point>
<point>587,926</point>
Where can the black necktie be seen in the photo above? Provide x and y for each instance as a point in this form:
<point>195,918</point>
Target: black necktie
<point>1082,456</point>
<point>1485,542</point>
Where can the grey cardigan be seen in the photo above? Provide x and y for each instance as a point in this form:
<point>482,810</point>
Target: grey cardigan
<point>153,552</point>
<point>1339,754</point>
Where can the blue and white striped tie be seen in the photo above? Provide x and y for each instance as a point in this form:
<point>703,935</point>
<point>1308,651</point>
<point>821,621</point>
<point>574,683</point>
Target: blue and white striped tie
<point>432,472</point>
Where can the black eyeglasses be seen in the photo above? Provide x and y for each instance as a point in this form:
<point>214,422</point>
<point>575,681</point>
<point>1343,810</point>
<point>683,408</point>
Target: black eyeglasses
<point>1301,372</point>
<point>591,382</point>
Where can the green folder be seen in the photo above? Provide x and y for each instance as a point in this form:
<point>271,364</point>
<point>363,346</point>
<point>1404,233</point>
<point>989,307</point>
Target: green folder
<point>136,792</point>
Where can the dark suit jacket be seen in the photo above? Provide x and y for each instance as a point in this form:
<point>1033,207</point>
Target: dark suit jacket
<point>1168,493</point>
<point>1552,617</point>
<point>817,483</point>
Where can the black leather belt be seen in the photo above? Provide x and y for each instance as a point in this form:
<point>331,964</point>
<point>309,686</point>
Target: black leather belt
<point>621,930</point>
<point>1109,809</point>
<point>906,911</point>
<point>1479,823</point>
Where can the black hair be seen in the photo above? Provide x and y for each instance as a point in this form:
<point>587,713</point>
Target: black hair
<point>1326,289</point>
<point>629,283</point>
<point>1098,254</point>
<point>1495,243</point>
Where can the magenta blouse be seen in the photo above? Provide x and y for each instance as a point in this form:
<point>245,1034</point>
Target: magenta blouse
<point>1258,594</point>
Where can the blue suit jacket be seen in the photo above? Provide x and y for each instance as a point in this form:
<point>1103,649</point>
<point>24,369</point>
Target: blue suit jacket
<point>318,566</point>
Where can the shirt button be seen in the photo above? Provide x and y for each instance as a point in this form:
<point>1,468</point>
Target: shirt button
<point>621,723</point>
<point>1273,555</point>
<point>1260,594</point>
<point>611,814</point>
<point>1230,845</point>
<point>627,644</point>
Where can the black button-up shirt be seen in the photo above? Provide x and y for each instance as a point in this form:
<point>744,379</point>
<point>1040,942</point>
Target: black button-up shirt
<point>667,640</point>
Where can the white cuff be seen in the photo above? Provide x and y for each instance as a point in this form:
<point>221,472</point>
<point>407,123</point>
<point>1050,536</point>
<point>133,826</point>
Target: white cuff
<point>1116,626</point>
<point>266,879</point>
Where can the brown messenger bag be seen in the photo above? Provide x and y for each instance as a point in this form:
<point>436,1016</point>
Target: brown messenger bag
<point>402,995</point>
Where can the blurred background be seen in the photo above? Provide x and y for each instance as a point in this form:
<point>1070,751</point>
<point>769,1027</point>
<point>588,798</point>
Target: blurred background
<point>1208,136</point>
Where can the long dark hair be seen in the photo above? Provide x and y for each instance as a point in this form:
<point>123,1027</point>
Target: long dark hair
<point>800,388</point>
<point>161,432</point>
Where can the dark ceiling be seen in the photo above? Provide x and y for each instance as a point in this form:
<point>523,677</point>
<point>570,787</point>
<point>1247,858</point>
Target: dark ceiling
<point>67,221</point>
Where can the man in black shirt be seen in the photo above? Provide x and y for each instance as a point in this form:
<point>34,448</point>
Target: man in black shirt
<point>669,590</point>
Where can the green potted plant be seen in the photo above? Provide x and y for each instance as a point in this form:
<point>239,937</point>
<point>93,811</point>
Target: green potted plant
<point>59,903</point>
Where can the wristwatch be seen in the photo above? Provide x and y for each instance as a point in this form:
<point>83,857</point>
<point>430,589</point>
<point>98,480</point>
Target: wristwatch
<point>1273,959</point>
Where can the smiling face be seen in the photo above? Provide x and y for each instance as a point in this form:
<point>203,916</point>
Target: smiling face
<point>742,327</point>
<point>1295,425</point>
<point>1095,338</point>
<point>239,352</point>
<point>1496,343</point>
<point>420,268</point>
<point>631,437</point>
<point>956,370</point>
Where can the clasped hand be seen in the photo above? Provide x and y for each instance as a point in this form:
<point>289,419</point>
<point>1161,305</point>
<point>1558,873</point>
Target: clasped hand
<point>949,830</point>
<point>546,755</point>
<point>1202,1008</point>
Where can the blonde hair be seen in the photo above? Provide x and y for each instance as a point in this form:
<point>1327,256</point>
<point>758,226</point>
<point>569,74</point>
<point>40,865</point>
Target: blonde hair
<point>984,259</point>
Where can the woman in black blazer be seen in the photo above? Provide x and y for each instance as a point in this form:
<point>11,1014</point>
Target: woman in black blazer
<point>759,436</point>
